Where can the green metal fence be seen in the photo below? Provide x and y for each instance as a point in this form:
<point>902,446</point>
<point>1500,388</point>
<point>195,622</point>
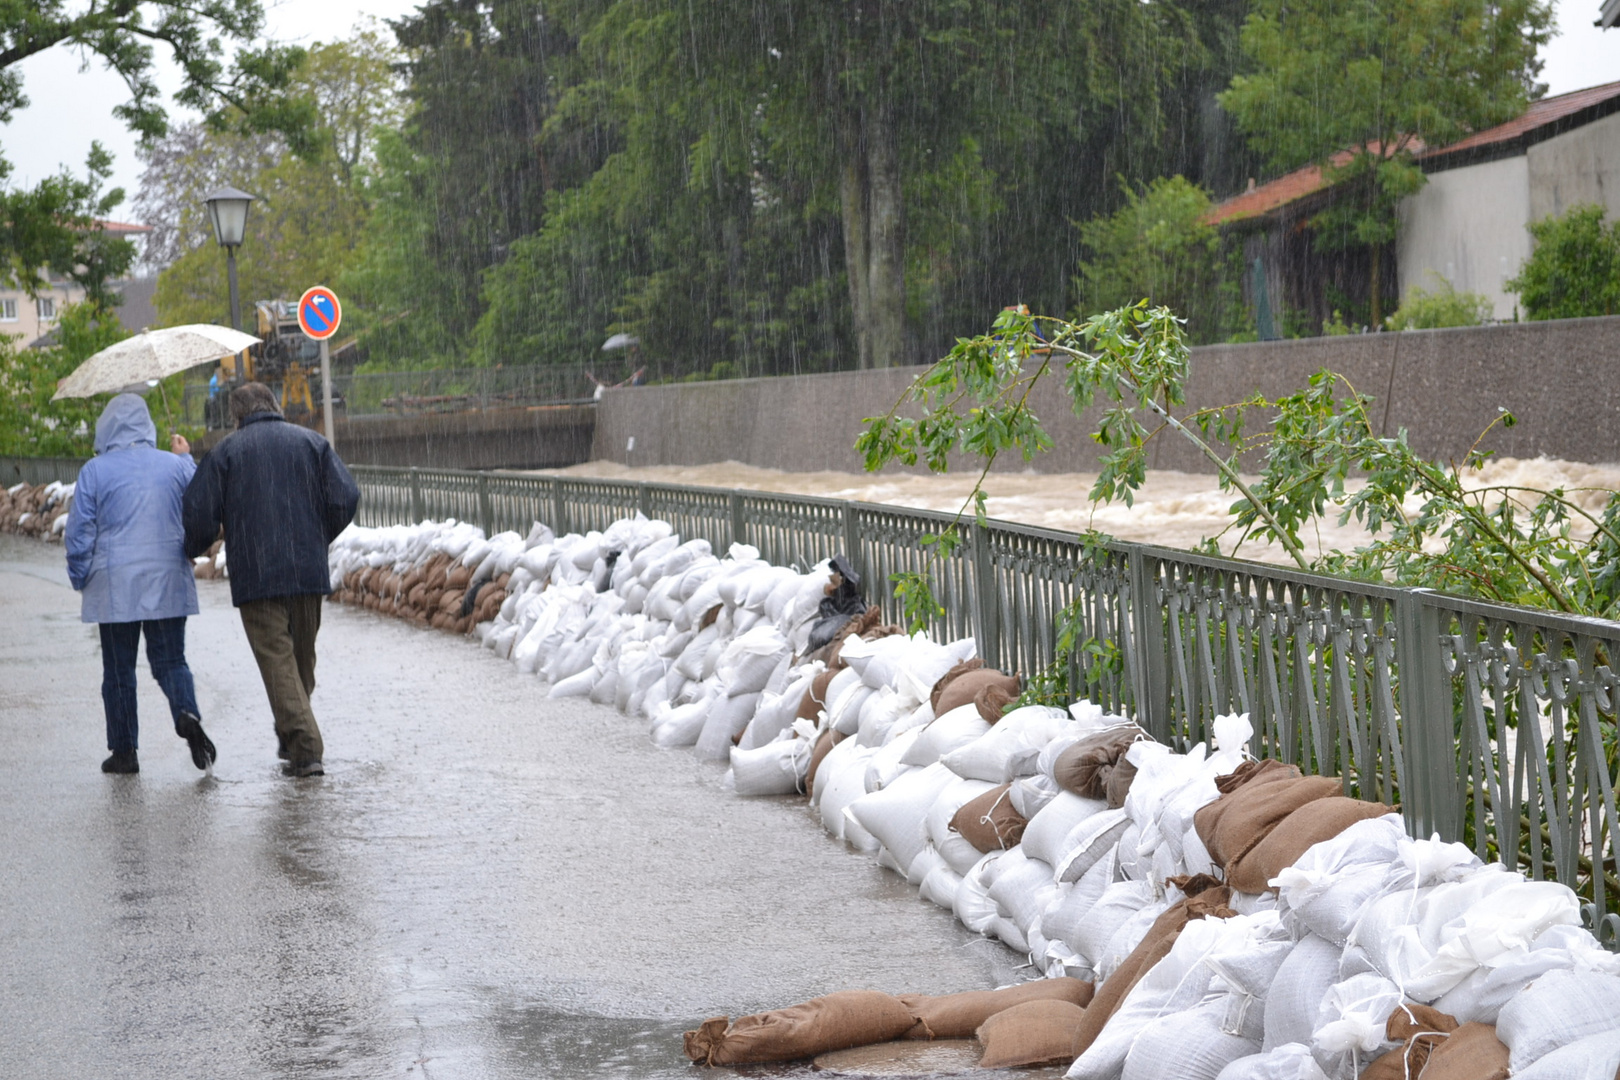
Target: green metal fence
<point>28,470</point>
<point>1486,723</point>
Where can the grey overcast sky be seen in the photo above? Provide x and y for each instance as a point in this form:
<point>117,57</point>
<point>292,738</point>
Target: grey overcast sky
<point>71,107</point>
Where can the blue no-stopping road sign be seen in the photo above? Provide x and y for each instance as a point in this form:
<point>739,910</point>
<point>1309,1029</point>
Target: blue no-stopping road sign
<point>319,312</point>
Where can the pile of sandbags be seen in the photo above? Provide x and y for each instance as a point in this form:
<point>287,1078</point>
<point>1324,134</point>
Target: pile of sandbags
<point>440,574</point>
<point>38,511</point>
<point>1239,920</point>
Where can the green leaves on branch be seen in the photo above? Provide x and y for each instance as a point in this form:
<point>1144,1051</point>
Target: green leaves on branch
<point>1320,456</point>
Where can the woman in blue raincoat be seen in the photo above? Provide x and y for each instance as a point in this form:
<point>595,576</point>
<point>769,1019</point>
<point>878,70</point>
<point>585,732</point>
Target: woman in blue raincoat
<point>125,554</point>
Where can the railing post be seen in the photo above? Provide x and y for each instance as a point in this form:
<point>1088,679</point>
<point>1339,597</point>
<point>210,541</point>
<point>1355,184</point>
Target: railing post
<point>485,518</point>
<point>1435,792</point>
<point>739,520</point>
<point>418,512</point>
<point>987,599</point>
<point>1149,670</point>
<point>559,509</point>
<point>852,545</point>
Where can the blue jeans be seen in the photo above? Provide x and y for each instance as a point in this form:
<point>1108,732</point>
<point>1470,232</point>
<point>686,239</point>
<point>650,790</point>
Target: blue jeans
<point>165,651</point>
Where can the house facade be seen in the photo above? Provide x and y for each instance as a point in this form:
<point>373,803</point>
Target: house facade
<point>26,319</point>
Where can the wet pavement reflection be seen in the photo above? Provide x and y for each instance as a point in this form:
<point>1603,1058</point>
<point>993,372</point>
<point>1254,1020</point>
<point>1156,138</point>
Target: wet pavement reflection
<point>487,883</point>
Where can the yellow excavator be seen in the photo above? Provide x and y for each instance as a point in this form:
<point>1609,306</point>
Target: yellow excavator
<point>283,361</point>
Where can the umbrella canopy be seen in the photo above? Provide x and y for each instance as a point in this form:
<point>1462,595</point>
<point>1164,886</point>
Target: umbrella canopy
<point>619,341</point>
<point>155,354</point>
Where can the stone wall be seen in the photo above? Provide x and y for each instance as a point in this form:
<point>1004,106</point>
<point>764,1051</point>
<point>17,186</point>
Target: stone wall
<point>1561,379</point>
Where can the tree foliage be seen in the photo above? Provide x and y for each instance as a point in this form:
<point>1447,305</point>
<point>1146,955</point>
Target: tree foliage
<point>1159,246</point>
<point>1358,87</point>
<point>1574,269</point>
<point>31,425</point>
<point>1441,306</point>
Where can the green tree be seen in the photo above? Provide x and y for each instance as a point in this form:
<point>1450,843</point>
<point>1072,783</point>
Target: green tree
<point>1574,269</point>
<point>31,425</point>
<point>1358,87</point>
<point>1160,246</point>
<point>1441,306</point>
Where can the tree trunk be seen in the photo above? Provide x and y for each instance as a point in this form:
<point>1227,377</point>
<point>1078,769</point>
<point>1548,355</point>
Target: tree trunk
<point>887,238</point>
<point>853,199</point>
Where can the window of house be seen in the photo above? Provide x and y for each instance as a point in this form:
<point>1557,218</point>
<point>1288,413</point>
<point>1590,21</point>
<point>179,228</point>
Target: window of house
<point>46,306</point>
<point>8,310</point>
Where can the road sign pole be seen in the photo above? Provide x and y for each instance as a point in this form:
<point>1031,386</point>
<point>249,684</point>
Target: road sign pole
<point>326,390</point>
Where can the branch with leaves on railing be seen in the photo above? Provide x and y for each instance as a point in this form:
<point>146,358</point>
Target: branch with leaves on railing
<point>1319,451</point>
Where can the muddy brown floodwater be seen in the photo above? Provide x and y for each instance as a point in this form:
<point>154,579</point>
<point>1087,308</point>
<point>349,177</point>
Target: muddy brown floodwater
<point>1174,509</point>
<point>486,883</point>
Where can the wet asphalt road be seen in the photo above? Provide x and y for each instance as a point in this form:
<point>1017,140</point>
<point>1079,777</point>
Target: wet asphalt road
<point>487,883</point>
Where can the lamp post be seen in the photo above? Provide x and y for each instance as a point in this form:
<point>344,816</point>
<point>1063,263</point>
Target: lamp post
<point>228,211</point>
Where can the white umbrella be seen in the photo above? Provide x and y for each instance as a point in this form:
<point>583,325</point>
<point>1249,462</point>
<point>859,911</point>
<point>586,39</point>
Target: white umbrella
<point>154,354</point>
<point>619,341</point>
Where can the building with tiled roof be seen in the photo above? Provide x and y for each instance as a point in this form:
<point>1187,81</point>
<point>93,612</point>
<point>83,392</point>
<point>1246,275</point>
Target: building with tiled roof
<point>1467,224</point>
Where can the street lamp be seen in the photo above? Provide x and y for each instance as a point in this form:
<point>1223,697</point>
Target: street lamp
<point>228,210</point>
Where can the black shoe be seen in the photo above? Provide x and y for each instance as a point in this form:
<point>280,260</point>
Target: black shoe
<point>121,761</point>
<point>282,752</point>
<point>303,768</point>
<point>189,728</point>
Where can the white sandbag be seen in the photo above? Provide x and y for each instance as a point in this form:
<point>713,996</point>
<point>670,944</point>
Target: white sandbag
<point>973,907</point>
<point>878,663</point>
<point>1327,887</point>
<point>926,862</point>
<point>1046,832</point>
<point>1560,1008</point>
<point>897,814</point>
<point>1030,794</point>
<point>956,728</point>
<point>1186,1045</point>
<point>1350,1025</point>
<point>577,685</point>
<point>941,886</point>
<point>1480,997</point>
<point>1009,749</point>
<point>837,699</point>
<point>1248,974</point>
<point>926,666</point>
<point>746,664</point>
<point>1130,934</point>
<point>690,662</point>
<point>1296,993</point>
<point>1064,919</point>
<point>958,853</point>
<point>1023,889</point>
<point>1173,985</point>
<point>1092,840</point>
<point>1119,902</point>
<point>1008,933</point>
<point>1291,1061</point>
<point>778,768</point>
<point>776,712</point>
<point>1596,1057</point>
<point>606,690</point>
<point>883,767</point>
<point>1503,922</point>
<point>682,726</point>
<point>840,780</point>
<point>726,721</point>
<point>880,712</point>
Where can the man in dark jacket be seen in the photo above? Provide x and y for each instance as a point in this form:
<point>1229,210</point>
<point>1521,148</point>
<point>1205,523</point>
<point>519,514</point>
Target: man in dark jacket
<point>283,497</point>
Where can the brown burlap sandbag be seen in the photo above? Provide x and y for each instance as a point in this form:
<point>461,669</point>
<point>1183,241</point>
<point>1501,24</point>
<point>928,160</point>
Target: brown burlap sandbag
<point>1233,824</point>
<point>1085,768</point>
<point>459,577</point>
<point>990,822</point>
<point>1316,821</point>
<point>962,668</point>
<point>963,689</point>
<point>815,698</point>
<point>1419,1029</point>
<point>824,743</point>
<point>1204,900</point>
<point>835,1022</point>
<point>992,701</point>
<point>1472,1052</point>
<point>958,1016</point>
<point>1033,1033</point>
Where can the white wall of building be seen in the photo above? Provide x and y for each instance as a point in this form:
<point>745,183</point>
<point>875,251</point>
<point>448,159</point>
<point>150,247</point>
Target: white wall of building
<point>25,318</point>
<point>1580,166</point>
<point>1467,225</point>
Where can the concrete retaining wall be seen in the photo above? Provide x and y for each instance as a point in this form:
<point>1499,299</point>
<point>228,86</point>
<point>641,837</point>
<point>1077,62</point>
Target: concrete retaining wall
<point>1561,379</point>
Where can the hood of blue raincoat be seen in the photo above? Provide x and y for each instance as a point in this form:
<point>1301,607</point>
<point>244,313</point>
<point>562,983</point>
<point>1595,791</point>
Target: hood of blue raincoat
<point>125,422</point>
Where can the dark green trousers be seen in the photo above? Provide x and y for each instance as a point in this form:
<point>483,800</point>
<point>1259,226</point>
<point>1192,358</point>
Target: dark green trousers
<point>282,632</point>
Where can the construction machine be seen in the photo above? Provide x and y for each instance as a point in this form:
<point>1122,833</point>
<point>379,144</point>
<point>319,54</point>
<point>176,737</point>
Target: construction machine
<point>283,361</point>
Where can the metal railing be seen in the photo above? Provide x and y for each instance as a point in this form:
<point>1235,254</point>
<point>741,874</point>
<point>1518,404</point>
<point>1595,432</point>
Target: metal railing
<point>1486,723</point>
<point>40,470</point>
<point>403,393</point>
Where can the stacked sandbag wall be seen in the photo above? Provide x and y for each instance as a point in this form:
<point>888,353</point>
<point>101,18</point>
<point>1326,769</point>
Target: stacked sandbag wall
<point>36,510</point>
<point>1237,919</point>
